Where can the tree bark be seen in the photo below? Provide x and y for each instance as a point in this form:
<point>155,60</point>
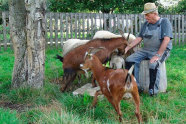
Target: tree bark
<point>27,33</point>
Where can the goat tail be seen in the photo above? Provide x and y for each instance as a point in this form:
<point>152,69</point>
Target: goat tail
<point>128,78</point>
<point>59,57</point>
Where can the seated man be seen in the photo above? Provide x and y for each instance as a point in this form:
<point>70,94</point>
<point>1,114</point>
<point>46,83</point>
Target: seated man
<point>156,34</point>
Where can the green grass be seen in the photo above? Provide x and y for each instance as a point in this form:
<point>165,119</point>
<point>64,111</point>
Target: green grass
<point>49,106</point>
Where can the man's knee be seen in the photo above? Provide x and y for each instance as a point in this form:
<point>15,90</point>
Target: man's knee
<point>154,65</point>
<point>130,59</point>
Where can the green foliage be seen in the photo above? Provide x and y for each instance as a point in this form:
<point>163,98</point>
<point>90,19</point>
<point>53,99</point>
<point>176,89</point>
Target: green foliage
<point>179,9</point>
<point>8,117</point>
<point>4,5</point>
<point>65,5</point>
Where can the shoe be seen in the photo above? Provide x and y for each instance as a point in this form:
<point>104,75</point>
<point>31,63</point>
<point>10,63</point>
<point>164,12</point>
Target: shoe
<point>151,92</point>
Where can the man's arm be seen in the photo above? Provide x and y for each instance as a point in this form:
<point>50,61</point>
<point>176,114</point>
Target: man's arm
<point>133,44</point>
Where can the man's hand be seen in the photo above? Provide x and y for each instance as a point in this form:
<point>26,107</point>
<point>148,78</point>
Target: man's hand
<point>154,59</point>
<point>127,49</point>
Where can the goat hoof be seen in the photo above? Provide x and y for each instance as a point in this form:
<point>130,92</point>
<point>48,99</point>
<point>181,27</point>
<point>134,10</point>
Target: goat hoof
<point>120,119</point>
<point>94,86</point>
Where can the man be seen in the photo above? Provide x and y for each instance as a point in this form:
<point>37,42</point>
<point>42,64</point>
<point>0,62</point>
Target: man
<point>156,34</point>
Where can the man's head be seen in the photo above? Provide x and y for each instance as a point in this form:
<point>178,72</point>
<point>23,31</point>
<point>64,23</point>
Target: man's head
<point>151,12</point>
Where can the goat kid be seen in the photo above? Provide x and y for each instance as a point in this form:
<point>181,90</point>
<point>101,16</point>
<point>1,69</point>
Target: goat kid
<point>117,61</point>
<point>113,83</point>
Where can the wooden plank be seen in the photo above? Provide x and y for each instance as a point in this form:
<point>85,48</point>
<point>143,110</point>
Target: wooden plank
<point>83,28</point>
<point>136,24</point>
<point>9,39</point>
<point>101,22</point>
<point>140,21</point>
<point>88,25</point>
<point>117,21</point>
<point>71,23</point>
<point>61,28</point>
<point>175,29</point>
<point>183,33</point>
<point>75,25</point>
<point>127,23</point>
<point>67,26</point>
<point>114,23</point>
<point>78,26</point>
<point>4,30</point>
<point>95,22</point>
<point>122,22</point>
<point>91,16</point>
<point>131,23</point>
<point>102,19</point>
<point>179,36</point>
<point>46,28</point>
<point>110,22</point>
<point>56,15</point>
<point>51,28</point>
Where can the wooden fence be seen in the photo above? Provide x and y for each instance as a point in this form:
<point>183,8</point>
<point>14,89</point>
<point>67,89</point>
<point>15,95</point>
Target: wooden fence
<point>63,26</point>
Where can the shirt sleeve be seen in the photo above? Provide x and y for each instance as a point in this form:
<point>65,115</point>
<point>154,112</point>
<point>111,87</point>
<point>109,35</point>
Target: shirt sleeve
<point>166,29</point>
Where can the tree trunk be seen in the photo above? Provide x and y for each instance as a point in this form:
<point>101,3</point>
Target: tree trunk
<point>27,33</point>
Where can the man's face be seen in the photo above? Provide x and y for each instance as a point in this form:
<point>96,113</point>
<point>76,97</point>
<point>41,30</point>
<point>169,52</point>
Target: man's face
<point>150,17</point>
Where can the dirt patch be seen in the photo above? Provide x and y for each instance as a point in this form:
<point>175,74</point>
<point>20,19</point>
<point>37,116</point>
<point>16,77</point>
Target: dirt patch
<point>17,107</point>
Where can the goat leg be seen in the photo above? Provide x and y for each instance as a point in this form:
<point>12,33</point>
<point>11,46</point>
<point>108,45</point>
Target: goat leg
<point>94,82</point>
<point>98,92</point>
<point>63,84</point>
<point>136,97</point>
<point>68,78</point>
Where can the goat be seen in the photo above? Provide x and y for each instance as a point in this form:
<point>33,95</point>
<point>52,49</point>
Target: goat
<point>113,83</point>
<point>116,61</point>
<point>73,59</point>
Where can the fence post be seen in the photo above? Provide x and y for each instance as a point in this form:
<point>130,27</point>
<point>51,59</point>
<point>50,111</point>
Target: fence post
<point>61,28</point>
<point>183,32</point>
<point>4,30</point>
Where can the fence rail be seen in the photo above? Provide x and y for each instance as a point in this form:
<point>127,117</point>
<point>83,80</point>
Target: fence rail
<point>63,26</point>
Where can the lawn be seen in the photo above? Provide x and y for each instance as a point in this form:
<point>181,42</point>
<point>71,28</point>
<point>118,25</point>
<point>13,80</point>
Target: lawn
<point>49,106</point>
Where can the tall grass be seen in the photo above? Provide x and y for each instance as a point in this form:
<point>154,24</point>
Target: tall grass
<point>48,105</point>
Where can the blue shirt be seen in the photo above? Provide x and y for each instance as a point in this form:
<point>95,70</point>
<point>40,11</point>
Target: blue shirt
<point>166,30</point>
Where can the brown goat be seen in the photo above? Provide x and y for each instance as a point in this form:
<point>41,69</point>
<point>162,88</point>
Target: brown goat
<point>73,59</point>
<point>113,83</point>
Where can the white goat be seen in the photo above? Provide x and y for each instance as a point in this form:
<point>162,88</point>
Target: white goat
<point>117,62</point>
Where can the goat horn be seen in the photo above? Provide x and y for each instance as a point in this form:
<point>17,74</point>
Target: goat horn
<point>128,36</point>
